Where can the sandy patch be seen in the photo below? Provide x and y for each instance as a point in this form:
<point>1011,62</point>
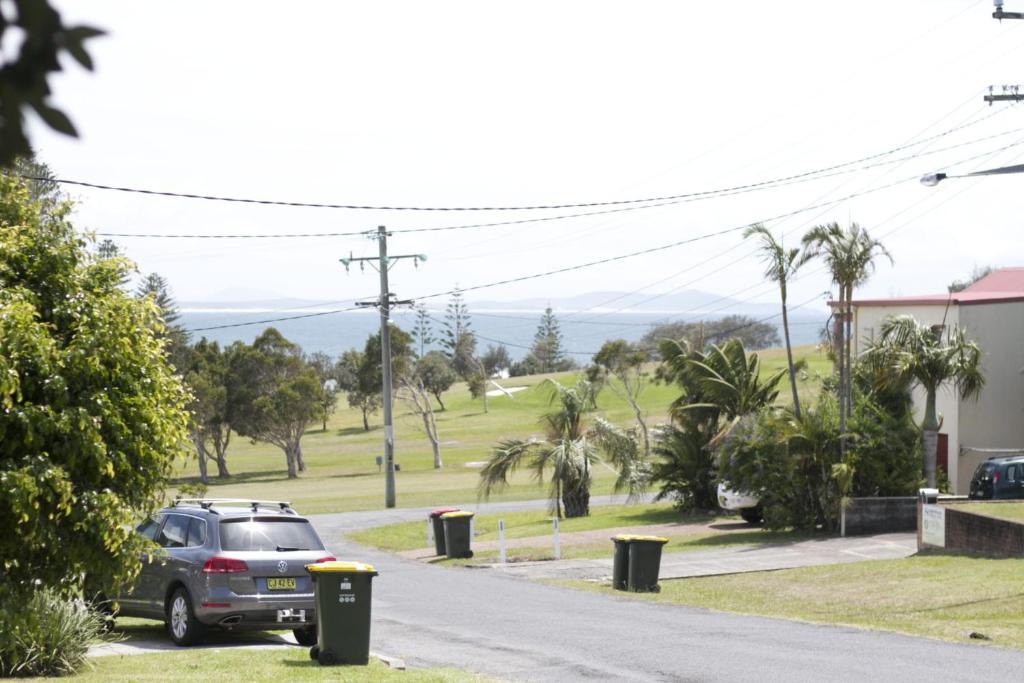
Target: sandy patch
<point>510,390</point>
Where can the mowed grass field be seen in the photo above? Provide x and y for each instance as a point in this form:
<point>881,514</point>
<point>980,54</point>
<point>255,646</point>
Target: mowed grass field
<point>342,474</point>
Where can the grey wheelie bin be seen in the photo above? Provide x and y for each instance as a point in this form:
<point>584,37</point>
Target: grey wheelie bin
<point>343,591</point>
<point>438,524</point>
<point>458,533</point>
<point>644,563</point>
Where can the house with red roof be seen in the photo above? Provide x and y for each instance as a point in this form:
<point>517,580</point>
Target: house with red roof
<point>991,312</point>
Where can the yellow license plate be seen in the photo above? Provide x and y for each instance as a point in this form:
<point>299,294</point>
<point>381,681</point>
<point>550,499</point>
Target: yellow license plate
<point>281,584</point>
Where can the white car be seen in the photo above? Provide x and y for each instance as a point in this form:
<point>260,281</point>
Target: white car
<point>749,506</point>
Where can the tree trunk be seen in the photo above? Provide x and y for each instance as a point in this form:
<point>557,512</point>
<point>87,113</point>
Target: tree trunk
<point>325,422</point>
<point>840,361</point>
<point>289,456</point>
<point>789,356</point>
<point>930,438</point>
<point>439,401</point>
<point>430,427</point>
<point>298,457</point>
<point>849,351</point>
<point>485,397</point>
<point>366,422</point>
<point>220,452</point>
<point>576,502</point>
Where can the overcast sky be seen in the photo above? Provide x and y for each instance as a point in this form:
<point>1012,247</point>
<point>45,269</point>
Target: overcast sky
<point>519,103</point>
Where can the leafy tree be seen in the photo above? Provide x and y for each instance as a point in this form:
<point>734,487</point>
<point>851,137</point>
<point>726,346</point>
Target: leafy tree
<point>276,394</point>
<point>702,334</point>
<point>496,359</point>
<point>850,257</point>
<point>781,265</point>
<point>24,86</point>
<point>435,374</point>
<point>619,365</point>
<point>206,371</point>
<point>685,468</point>
<point>423,329</point>
<point>346,372</point>
<point>323,365</point>
<point>907,352</point>
<point>371,374</point>
<point>108,248</point>
<point>92,415</point>
<point>976,274</point>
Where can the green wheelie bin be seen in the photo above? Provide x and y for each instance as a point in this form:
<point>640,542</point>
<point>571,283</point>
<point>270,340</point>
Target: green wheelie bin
<point>620,562</point>
<point>458,534</point>
<point>644,563</point>
<point>438,524</point>
<point>343,591</point>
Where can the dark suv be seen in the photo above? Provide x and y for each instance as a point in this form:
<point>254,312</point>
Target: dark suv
<point>999,478</point>
<point>227,564</point>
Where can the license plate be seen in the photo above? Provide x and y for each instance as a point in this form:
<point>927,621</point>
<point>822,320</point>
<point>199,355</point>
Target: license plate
<point>281,584</point>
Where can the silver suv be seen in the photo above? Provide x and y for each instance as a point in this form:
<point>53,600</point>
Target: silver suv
<point>227,563</point>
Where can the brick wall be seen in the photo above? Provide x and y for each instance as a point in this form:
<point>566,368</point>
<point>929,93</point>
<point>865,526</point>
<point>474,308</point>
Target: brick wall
<point>974,533</point>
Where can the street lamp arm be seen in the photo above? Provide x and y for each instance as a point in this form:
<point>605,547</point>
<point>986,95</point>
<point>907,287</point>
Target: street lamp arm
<point>933,179</point>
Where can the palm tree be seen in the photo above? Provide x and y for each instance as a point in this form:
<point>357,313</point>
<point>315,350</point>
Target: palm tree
<point>908,352</point>
<point>850,257</point>
<point>569,449</point>
<point>781,265</point>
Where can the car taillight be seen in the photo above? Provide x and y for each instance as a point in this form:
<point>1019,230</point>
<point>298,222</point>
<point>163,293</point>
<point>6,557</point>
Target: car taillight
<point>995,477</point>
<point>329,558</point>
<point>224,565</point>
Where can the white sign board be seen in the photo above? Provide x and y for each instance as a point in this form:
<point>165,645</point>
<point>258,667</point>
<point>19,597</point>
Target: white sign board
<point>933,525</point>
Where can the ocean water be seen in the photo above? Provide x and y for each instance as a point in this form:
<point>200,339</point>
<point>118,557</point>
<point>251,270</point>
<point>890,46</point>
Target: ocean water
<point>582,333</point>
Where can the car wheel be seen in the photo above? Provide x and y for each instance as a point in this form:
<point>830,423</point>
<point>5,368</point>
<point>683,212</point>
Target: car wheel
<point>182,625</point>
<point>752,515</point>
<point>305,636</point>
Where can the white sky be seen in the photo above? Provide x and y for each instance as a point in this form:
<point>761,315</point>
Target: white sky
<point>481,103</point>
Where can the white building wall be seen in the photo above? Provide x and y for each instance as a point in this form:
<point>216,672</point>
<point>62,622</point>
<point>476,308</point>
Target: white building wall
<point>867,321</point>
<point>996,418</point>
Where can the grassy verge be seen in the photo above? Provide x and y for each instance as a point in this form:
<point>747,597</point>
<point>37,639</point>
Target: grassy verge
<point>937,596</point>
<point>1011,511</point>
<point>291,664</point>
<point>685,533</point>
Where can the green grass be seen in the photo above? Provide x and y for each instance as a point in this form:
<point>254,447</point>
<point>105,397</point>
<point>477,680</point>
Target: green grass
<point>685,532</point>
<point>341,471</point>
<point>938,596</point>
<point>1011,511</point>
<point>279,664</point>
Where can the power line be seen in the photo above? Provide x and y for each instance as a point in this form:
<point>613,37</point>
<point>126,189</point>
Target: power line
<point>532,207</point>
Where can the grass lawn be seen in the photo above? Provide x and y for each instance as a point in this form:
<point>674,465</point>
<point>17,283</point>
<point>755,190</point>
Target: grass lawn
<point>685,532</point>
<point>342,474</point>
<point>938,596</point>
<point>279,664</point>
<point>1011,511</point>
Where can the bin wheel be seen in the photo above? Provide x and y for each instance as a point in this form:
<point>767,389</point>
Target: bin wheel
<point>314,652</point>
<point>469,554</point>
<point>327,658</point>
<point>305,636</point>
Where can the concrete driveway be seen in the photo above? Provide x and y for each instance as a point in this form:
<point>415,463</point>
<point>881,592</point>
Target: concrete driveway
<point>501,625</point>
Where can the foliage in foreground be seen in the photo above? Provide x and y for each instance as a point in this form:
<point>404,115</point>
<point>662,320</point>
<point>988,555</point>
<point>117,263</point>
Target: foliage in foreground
<point>92,415</point>
<point>47,636</point>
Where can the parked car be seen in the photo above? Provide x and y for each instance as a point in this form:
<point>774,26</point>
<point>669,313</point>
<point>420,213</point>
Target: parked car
<point>748,505</point>
<point>227,564</point>
<point>999,479</point>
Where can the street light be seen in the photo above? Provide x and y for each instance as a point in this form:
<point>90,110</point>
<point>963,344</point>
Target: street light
<point>933,179</point>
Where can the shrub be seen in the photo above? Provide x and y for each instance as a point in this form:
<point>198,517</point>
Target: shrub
<point>49,635</point>
<point>684,468</point>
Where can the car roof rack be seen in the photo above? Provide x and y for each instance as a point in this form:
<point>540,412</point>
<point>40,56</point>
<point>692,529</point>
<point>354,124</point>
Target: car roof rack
<point>255,505</point>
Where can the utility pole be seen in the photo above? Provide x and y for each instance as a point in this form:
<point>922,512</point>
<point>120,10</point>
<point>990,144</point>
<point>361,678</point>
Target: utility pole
<point>384,304</point>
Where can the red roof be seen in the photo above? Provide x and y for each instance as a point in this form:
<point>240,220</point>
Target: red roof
<point>1001,286</point>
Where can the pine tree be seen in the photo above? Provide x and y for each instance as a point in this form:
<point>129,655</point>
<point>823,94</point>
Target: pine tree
<point>155,286</point>
<point>547,343</point>
<point>422,329</point>
<point>458,341</point>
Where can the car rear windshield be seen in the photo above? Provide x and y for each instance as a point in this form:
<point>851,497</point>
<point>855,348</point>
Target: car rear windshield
<point>273,533</point>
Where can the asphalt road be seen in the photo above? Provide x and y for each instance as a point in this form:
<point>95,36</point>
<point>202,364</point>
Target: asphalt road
<point>484,621</point>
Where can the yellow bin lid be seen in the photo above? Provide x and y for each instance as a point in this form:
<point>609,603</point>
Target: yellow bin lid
<point>454,515</point>
<point>338,566</point>
<point>632,537</point>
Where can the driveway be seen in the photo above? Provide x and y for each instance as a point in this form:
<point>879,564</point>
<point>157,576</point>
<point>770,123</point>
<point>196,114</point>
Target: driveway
<point>500,625</point>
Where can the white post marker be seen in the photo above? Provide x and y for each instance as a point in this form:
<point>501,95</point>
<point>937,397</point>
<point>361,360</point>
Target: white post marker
<point>501,541</point>
<point>430,533</point>
<point>558,544</point>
